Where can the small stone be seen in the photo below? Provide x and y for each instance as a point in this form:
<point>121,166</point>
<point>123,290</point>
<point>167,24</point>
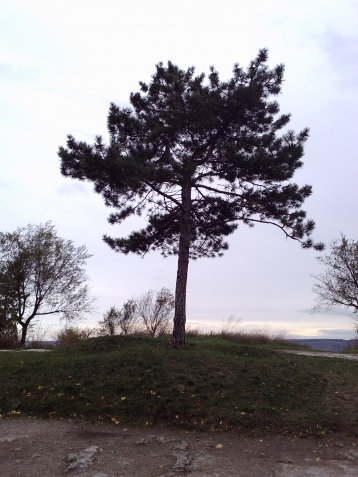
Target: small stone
<point>81,459</point>
<point>141,442</point>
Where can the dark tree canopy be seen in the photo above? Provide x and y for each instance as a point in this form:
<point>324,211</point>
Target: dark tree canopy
<point>197,156</point>
<point>41,274</point>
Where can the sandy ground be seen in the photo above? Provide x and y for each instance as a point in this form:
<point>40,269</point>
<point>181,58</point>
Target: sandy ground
<point>48,448</point>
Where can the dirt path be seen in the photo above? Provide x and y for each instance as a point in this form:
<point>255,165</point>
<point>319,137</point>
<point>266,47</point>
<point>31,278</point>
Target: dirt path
<point>46,448</point>
<point>322,354</point>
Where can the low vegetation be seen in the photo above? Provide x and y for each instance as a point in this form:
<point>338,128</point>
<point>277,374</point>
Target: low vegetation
<point>352,348</point>
<point>213,384</point>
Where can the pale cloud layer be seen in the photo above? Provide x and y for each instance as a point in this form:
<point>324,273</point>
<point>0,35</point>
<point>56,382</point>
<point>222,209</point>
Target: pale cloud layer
<point>334,312</point>
<point>13,73</point>
<point>4,184</point>
<point>72,188</point>
<point>342,52</point>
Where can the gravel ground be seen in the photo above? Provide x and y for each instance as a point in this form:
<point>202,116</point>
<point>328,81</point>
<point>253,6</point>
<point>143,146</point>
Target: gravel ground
<point>49,448</point>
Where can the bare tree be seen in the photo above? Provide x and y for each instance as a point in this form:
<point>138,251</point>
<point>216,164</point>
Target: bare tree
<point>128,317</point>
<point>338,286</point>
<point>109,324</point>
<point>156,310</point>
<point>122,321</point>
<point>42,274</point>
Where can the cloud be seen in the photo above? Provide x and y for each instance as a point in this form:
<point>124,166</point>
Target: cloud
<point>317,334</point>
<point>72,189</point>
<point>334,333</point>
<point>333,312</point>
<point>5,185</point>
<point>342,53</point>
<point>14,73</point>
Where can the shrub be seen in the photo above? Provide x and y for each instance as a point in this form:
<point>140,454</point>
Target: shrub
<point>72,334</point>
<point>109,324</point>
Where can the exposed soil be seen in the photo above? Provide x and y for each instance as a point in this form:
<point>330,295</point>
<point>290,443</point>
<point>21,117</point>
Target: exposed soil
<point>49,448</point>
<point>322,354</point>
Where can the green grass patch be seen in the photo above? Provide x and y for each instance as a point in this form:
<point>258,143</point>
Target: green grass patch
<point>350,351</point>
<point>211,384</point>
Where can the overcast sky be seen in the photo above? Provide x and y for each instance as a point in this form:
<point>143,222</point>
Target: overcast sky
<point>63,62</point>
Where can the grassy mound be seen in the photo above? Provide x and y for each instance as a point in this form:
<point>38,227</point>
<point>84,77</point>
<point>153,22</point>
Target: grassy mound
<point>213,384</point>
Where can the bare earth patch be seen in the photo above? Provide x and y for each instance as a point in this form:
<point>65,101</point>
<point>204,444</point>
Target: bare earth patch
<point>322,354</point>
<point>49,448</point>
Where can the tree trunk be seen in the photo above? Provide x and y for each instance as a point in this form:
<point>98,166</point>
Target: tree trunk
<point>23,334</point>
<point>182,272</point>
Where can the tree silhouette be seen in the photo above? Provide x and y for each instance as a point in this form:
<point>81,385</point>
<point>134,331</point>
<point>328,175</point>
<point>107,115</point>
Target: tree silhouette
<point>338,285</point>
<point>42,274</point>
<point>197,157</point>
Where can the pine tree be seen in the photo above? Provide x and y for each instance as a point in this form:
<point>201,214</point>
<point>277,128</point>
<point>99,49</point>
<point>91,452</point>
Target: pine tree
<point>197,157</point>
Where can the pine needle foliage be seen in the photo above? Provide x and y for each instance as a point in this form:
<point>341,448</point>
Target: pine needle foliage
<point>197,156</point>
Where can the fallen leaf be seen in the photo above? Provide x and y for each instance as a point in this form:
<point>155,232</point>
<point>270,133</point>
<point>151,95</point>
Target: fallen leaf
<point>219,446</point>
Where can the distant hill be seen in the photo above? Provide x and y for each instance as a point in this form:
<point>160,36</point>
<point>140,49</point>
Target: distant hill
<point>326,345</point>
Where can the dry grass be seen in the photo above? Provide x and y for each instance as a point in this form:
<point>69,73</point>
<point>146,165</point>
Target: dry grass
<point>255,337</point>
<point>231,331</point>
<point>352,348</point>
